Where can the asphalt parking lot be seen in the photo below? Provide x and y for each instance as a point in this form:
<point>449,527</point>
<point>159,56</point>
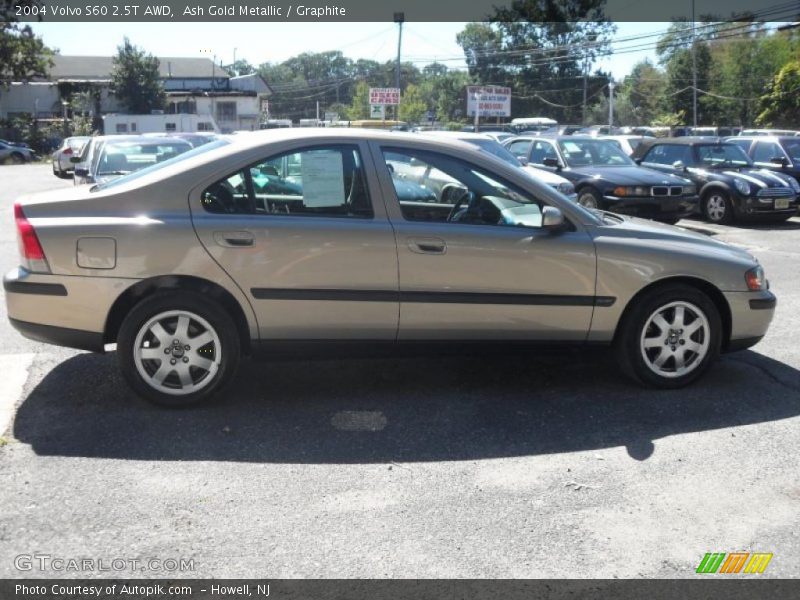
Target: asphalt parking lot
<point>507,466</point>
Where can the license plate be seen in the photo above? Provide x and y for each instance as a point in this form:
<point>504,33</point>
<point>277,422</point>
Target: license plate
<point>781,203</point>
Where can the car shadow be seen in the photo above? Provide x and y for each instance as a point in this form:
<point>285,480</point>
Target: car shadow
<point>399,409</point>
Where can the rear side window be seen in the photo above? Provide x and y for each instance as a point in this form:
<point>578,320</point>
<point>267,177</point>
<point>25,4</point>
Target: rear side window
<point>323,181</point>
<point>668,154</point>
<point>766,151</point>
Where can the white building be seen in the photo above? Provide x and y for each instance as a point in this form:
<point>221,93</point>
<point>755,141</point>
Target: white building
<point>193,86</point>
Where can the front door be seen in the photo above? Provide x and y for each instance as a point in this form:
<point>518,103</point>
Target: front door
<point>475,262</point>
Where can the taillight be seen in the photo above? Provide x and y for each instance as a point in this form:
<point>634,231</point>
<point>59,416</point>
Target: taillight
<point>755,279</point>
<point>30,249</point>
<point>67,150</point>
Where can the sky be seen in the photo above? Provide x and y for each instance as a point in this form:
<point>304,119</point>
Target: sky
<point>275,42</point>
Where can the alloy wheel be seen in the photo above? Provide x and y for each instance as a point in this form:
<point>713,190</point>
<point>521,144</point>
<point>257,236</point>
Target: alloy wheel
<point>177,352</point>
<point>716,207</point>
<point>675,339</point>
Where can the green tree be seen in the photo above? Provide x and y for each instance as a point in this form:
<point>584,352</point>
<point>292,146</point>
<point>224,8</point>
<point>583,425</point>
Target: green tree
<point>135,79</point>
<point>359,107</point>
<point>412,105</point>
<point>780,106</point>
<point>23,55</point>
<point>644,88</point>
<point>541,50</point>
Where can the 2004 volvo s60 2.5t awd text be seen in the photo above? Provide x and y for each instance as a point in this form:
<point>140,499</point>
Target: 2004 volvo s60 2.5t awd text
<point>279,237</point>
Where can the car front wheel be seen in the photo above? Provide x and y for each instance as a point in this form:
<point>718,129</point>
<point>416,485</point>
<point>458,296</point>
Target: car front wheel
<point>670,337</point>
<point>717,207</point>
<point>177,349</point>
<point>590,198</point>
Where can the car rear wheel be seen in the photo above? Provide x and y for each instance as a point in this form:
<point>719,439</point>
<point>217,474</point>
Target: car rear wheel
<point>590,198</point>
<point>58,172</point>
<point>16,158</point>
<point>177,349</point>
<point>670,337</point>
<point>717,207</point>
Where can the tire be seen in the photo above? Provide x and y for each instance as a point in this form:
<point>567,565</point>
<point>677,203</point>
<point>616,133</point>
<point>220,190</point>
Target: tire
<point>199,371</point>
<point>717,207</point>
<point>16,158</point>
<point>590,198</point>
<point>58,172</point>
<point>641,342</point>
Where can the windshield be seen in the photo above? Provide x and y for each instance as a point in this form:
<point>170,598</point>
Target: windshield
<point>722,155</point>
<point>792,148</point>
<point>595,153</point>
<point>160,165</point>
<point>495,149</point>
<point>120,158</point>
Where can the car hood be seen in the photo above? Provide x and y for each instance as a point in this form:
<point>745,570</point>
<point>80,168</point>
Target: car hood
<point>629,176</point>
<point>670,237</point>
<point>544,175</point>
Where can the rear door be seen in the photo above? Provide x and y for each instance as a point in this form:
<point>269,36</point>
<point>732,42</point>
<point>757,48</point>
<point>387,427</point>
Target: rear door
<point>304,234</point>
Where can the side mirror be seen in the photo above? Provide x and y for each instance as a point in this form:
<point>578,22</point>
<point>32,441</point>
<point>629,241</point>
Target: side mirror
<point>81,172</point>
<point>523,161</point>
<point>551,162</point>
<point>390,166</point>
<point>779,160</point>
<point>638,161</point>
<point>75,159</point>
<point>678,165</point>
<point>552,218</point>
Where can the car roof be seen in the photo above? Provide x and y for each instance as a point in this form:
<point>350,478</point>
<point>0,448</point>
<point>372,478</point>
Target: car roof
<point>763,138</point>
<point>458,135</point>
<point>686,141</point>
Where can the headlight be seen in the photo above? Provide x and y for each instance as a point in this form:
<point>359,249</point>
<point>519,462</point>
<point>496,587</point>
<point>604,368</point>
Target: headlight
<point>794,184</point>
<point>638,190</point>
<point>566,188</point>
<point>742,186</point>
<point>755,279</point>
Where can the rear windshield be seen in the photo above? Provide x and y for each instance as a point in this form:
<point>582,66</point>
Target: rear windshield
<point>160,165</point>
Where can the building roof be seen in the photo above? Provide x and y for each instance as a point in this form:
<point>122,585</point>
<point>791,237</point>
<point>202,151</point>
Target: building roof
<point>98,68</point>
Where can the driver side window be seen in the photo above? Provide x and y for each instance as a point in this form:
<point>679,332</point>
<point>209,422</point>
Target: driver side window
<point>437,188</point>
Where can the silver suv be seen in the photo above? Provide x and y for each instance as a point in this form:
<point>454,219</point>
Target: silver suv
<point>280,237</point>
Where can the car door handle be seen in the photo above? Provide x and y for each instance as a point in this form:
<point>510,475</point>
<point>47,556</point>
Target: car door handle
<point>427,245</point>
<point>234,239</point>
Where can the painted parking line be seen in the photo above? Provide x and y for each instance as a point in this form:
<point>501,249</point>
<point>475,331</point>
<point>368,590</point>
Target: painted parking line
<point>14,368</point>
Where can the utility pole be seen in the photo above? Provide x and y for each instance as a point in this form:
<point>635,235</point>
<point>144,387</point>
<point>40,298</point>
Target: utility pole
<point>233,66</point>
<point>592,38</point>
<point>399,17</point>
<point>610,106</point>
<point>694,71</point>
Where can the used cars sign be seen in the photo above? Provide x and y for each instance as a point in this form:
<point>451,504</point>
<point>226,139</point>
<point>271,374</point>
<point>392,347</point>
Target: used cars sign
<point>489,101</point>
<point>384,95</point>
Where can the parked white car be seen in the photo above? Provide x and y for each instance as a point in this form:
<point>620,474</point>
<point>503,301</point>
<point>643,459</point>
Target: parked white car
<point>71,146</point>
<point>489,144</point>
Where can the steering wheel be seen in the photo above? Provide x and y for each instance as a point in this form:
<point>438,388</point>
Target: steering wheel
<point>466,198</point>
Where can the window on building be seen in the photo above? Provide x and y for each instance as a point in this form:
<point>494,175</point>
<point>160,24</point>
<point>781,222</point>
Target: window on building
<point>133,127</point>
<point>204,126</point>
<point>170,127</point>
<point>226,111</point>
<point>122,128</point>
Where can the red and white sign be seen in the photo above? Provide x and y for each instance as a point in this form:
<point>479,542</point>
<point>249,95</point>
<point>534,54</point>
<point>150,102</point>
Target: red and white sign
<point>488,100</point>
<point>384,96</point>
